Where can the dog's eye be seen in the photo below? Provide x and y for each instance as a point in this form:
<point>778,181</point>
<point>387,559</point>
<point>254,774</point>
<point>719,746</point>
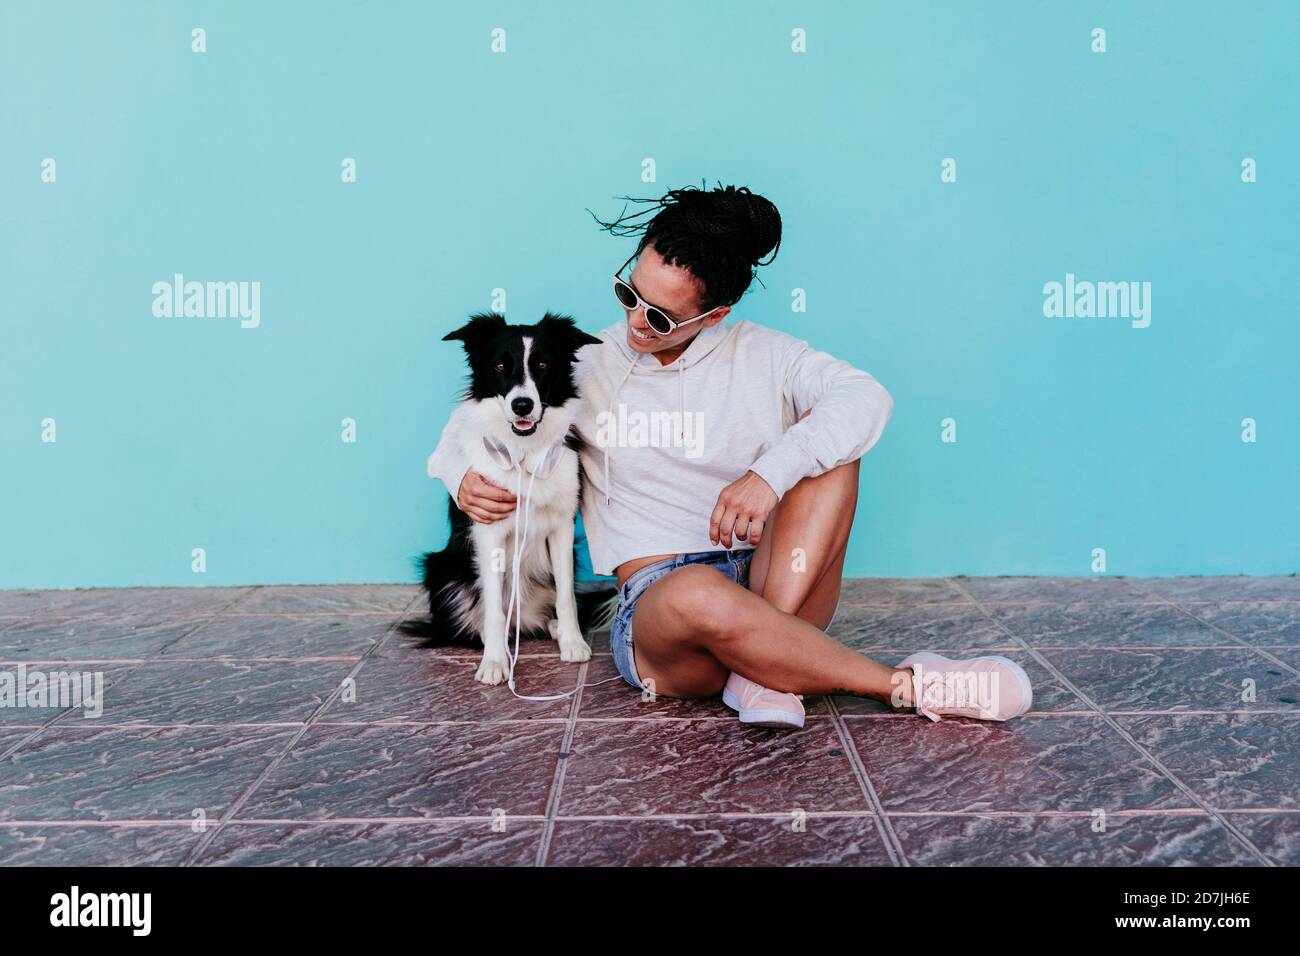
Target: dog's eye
<point>501,366</point>
<point>541,366</point>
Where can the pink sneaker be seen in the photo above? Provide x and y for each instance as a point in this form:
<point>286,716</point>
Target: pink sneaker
<point>986,688</point>
<point>762,707</point>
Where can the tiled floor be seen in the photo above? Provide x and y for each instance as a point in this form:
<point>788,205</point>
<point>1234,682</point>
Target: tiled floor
<point>282,725</point>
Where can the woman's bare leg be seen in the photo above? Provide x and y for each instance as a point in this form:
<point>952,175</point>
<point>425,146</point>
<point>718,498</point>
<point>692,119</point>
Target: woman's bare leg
<point>798,565</point>
<point>695,626</point>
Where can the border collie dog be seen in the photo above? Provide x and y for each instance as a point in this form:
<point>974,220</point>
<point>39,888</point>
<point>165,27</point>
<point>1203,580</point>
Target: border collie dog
<point>514,427</point>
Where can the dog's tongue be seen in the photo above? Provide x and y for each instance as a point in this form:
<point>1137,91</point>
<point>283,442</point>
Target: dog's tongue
<point>523,424</point>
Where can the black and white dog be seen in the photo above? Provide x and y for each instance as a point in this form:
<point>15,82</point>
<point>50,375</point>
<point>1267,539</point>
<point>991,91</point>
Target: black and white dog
<point>514,427</point>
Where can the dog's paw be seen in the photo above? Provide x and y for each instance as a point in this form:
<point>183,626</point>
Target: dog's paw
<point>492,671</point>
<point>574,650</point>
<point>553,626</point>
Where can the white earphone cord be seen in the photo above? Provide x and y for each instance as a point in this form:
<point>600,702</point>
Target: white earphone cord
<point>514,605</point>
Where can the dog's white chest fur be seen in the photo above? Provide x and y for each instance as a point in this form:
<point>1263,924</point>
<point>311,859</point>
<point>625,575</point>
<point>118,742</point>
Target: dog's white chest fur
<point>545,502</point>
<point>542,472</point>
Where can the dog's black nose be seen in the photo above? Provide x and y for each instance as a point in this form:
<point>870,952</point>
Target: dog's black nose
<point>522,406</point>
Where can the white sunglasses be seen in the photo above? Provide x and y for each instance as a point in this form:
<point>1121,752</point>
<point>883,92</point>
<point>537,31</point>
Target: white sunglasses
<point>655,317</point>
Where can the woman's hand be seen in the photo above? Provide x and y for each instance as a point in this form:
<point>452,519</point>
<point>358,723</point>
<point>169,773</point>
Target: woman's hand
<point>743,506</point>
<point>482,500</point>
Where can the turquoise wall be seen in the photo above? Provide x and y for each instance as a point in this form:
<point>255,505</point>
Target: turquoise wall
<point>473,169</point>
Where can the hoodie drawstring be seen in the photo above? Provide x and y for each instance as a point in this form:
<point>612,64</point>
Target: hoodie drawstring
<point>681,403</point>
<point>612,399</point>
<point>681,414</point>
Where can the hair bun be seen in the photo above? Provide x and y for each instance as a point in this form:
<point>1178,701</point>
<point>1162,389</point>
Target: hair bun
<point>763,223</point>
<point>736,219</point>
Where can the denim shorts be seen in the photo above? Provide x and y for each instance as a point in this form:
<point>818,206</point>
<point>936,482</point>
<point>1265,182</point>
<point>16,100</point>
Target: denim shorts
<point>734,564</point>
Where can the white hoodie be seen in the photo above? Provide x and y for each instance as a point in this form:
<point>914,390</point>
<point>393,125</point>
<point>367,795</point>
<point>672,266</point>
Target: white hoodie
<point>662,441</point>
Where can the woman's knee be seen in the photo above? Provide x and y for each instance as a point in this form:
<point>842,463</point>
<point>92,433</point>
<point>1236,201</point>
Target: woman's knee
<point>708,603</point>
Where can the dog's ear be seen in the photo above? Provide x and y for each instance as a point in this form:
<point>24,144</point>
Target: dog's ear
<point>563,329</point>
<point>481,327</point>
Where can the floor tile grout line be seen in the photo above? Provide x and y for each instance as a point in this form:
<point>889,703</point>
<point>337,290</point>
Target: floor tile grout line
<point>8,620</point>
<point>561,768</point>
<point>41,728</point>
<point>778,816</point>
<point>196,852</point>
<point>1132,741</point>
<point>123,661</point>
<point>266,822</point>
<point>18,745</point>
<point>376,610</point>
<point>1046,714</point>
<point>1090,814</point>
<point>884,829</point>
<point>466,660</point>
<point>462,661</point>
<point>960,591</point>
<point>90,725</point>
<point>1239,640</point>
<point>1151,598</point>
<point>1122,648</point>
<point>1148,585</point>
<point>231,610</point>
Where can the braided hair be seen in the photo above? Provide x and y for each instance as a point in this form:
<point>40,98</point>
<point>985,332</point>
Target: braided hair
<point>719,235</point>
